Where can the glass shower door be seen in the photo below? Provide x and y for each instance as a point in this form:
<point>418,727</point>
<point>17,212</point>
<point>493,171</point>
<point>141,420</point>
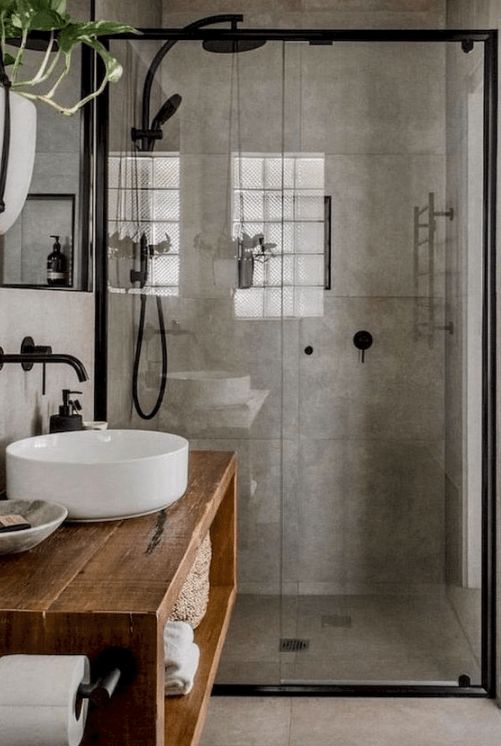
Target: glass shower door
<point>381,443</point>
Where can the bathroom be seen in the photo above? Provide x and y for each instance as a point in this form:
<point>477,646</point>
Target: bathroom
<point>295,264</point>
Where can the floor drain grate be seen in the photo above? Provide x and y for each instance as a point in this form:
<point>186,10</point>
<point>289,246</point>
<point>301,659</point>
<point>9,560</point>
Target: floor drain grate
<point>293,645</point>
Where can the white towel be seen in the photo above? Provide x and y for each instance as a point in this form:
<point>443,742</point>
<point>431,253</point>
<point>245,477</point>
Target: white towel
<point>177,637</point>
<point>181,658</point>
<point>180,679</point>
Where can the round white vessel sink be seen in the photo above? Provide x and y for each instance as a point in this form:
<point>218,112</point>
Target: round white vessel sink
<point>100,475</point>
<point>208,388</point>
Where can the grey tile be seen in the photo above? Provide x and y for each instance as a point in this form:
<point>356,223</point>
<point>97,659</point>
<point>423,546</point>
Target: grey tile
<point>392,638</point>
<point>373,197</point>
<point>391,722</point>
<point>380,495</point>
<point>64,320</point>
<point>394,114</point>
<point>378,668</point>
<point>409,638</point>
<point>239,721</point>
<point>397,394</point>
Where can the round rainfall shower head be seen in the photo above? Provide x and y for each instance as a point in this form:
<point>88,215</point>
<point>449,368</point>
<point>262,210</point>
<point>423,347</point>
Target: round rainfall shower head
<point>230,46</point>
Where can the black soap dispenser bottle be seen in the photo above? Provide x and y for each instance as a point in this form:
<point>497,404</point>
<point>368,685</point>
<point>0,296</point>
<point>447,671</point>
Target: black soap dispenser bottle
<point>68,417</point>
<point>56,265</point>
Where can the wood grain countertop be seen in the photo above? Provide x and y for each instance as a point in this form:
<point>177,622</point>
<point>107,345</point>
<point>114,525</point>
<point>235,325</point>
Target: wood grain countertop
<point>121,566</point>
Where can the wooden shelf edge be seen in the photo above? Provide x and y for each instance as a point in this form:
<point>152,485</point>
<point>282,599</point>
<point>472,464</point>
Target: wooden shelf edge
<point>185,716</point>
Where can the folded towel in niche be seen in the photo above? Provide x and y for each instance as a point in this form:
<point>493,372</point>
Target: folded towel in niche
<point>182,656</point>
<point>177,637</point>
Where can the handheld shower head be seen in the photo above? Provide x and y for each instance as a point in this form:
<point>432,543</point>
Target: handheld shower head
<point>147,137</point>
<point>166,111</point>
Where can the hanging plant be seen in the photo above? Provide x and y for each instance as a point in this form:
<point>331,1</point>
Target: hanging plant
<point>18,18</point>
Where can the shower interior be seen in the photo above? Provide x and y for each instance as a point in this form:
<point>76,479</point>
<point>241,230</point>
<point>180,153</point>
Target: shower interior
<point>360,487</point>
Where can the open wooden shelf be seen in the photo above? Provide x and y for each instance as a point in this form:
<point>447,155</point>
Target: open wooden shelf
<point>185,716</point>
<point>89,587</point>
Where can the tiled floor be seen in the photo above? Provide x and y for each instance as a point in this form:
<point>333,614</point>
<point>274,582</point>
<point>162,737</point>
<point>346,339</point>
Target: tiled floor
<point>361,638</point>
<point>238,721</point>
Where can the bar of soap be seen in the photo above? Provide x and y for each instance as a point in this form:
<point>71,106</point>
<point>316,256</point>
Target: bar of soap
<point>13,522</point>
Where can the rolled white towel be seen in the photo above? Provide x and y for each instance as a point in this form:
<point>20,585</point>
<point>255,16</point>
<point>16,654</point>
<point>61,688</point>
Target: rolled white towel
<point>181,658</point>
<point>178,636</point>
<point>179,679</point>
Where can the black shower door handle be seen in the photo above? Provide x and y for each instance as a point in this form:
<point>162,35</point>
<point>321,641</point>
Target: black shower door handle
<point>327,241</point>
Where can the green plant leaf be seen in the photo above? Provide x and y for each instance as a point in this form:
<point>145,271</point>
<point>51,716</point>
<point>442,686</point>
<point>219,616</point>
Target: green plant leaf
<point>47,20</point>
<point>113,68</point>
<point>105,28</point>
<point>59,6</point>
<point>76,33</point>
<point>19,17</point>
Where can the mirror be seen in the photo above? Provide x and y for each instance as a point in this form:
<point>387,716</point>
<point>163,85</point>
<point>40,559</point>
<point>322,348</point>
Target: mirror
<point>59,195</point>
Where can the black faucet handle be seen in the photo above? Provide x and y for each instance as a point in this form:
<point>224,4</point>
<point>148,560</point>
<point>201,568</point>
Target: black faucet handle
<point>29,347</point>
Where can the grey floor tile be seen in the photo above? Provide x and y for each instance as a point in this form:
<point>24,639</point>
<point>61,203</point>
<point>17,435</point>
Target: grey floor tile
<point>393,722</point>
<point>247,721</point>
<point>357,637</point>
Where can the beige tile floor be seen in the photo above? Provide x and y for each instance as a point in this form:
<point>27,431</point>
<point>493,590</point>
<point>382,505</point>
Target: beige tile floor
<point>258,721</point>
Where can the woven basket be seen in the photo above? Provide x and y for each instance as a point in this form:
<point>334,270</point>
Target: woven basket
<point>192,602</point>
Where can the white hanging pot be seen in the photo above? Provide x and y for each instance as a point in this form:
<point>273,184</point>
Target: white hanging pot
<point>23,135</point>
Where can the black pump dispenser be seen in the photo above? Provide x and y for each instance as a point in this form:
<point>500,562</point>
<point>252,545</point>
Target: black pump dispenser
<point>68,417</point>
<point>56,265</point>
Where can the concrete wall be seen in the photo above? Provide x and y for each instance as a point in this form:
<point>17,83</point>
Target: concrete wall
<point>358,446</point>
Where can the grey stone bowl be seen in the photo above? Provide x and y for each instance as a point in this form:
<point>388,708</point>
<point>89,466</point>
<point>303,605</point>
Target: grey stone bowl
<point>44,517</point>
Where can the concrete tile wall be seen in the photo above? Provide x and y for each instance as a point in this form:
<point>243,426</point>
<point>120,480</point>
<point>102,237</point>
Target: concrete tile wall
<point>329,398</point>
<point>361,442</point>
<point>314,13</point>
<point>62,319</point>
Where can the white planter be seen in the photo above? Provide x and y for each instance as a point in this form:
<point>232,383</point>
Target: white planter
<point>23,135</point>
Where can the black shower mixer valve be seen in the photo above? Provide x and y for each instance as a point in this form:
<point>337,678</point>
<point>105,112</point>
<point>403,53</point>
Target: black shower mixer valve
<point>362,341</point>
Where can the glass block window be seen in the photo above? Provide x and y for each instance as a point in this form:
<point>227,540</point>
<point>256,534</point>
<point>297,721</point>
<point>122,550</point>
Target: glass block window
<point>144,198</point>
<point>282,199</point>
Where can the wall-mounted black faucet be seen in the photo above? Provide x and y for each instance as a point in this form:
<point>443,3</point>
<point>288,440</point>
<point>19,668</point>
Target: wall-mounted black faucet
<point>31,354</point>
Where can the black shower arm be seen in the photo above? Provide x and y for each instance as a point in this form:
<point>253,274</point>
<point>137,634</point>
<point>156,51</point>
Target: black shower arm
<point>232,18</point>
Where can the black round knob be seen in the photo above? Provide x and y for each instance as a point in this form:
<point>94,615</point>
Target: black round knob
<point>308,350</point>
<point>362,340</point>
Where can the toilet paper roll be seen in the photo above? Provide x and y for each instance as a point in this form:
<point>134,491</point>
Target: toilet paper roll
<point>38,698</point>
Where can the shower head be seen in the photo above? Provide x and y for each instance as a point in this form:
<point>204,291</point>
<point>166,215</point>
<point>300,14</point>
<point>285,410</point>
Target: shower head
<point>230,46</point>
<point>166,111</point>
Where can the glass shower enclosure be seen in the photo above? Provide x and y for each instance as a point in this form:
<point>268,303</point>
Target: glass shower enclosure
<point>299,250</point>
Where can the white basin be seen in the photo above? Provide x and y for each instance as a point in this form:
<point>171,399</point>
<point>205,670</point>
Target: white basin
<point>100,475</point>
<point>208,388</point>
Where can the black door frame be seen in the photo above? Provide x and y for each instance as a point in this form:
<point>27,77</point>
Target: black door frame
<point>321,36</point>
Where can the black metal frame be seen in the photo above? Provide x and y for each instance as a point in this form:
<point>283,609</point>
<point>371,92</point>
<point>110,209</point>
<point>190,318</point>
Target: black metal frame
<point>316,36</point>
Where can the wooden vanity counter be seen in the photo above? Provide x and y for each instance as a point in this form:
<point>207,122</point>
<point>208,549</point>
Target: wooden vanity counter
<point>96,585</point>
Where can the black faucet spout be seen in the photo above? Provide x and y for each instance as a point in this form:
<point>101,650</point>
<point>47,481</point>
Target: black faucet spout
<point>49,358</point>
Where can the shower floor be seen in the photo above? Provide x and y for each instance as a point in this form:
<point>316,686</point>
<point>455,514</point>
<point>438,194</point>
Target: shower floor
<point>361,638</point>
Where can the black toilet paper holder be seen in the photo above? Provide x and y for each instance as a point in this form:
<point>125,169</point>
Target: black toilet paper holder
<point>112,666</point>
<point>100,692</point>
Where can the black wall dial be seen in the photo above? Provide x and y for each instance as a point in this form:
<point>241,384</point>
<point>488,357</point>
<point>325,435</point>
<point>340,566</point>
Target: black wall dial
<point>362,341</point>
